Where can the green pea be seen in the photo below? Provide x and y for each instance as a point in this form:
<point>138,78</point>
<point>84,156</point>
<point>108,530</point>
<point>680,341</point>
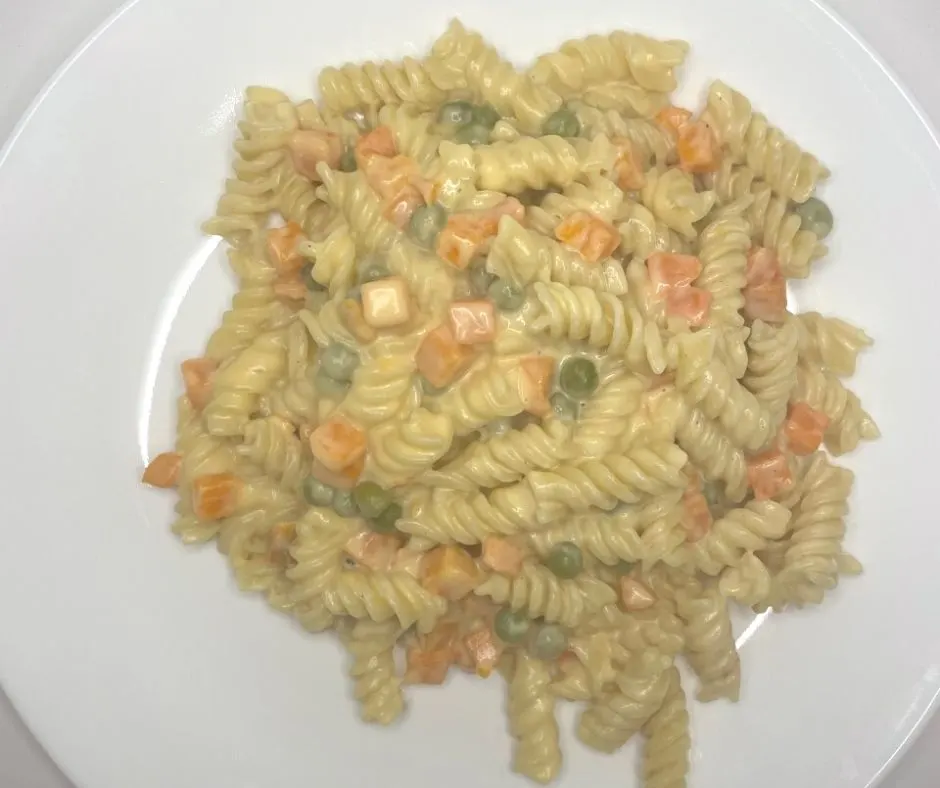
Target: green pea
<point>473,134</point>
<point>480,279</point>
<point>385,523</point>
<point>371,269</point>
<point>455,113</point>
<point>562,123</point>
<point>330,387</point>
<point>565,560</point>
<point>815,216</point>
<point>371,500</point>
<point>344,505</point>
<point>578,377</point>
<point>549,642</point>
<point>506,295</point>
<point>425,224</point>
<point>511,625</point>
<point>564,407</point>
<point>339,362</point>
<point>311,284</point>
<point>316,493</point>
<point>347,162</point>
<point>486,115</point>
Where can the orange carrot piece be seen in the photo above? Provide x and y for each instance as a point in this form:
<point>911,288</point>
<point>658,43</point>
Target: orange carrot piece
<point>635,595</point>
<point>541,371</point>
<point>696,517</point>
<point>594,238</point>
<point>441,358</point>
<point>400,208</point>
<point>804,428</point>
<point>690,303</point>
<point>473,322</point>
<point>627,171</point>
<point>343,479</point>
<point>163,470</point>
<point>308,147</point>
<point>215,495</point>
<point>282,248</point>
<point>290,290</point>
<point>484,650</point>
<point>698,148</point>
<point>430,657</point>
<point>337,443</point>
<point>197,379</point>
<point>282,537</point>
<point>673,119</point>
<point>762,266</point>
<point>378,142</point>
<point>450,572</point>
<point>769,474</point>
<point>767,302</point>
<point>672,270</point>
<point>376,551</point>
<point>502,555</point>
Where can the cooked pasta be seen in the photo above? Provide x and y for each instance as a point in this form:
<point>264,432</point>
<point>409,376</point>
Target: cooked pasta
<point>510,384</point>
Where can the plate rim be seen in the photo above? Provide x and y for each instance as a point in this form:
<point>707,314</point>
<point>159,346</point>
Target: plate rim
<point>20,705</point>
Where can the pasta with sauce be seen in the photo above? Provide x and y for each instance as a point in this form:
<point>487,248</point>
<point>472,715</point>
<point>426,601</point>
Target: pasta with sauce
<point>510,383</point>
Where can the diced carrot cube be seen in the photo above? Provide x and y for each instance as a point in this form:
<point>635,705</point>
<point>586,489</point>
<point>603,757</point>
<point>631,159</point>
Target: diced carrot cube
<point>673,119</point>
<point>343,479</point>
<point>484,649</point>
<point>696,516</point>
<point>769,474</point>
<point>672,270</point>
<point>215,495</point>
<point>502,555</point>
<point>762,266</point>
<point>628,171</point>
<point>473,322</point>
<point>337,443</point>
<point>376,551</point>
<point>430,657</point>
<point>197,379</point>
<point>441,358</point>
<point>282,248</point>
<point>690,303</point>
<point>291,291</point>
<point>767,302</point>
<point>455,249</point>
<point>386,302</point>
<point>698,148</point>
<point>450,572</point>
<point>389,176</point>
<point>378,142</point>
<point>408,561</point>
<point>282,537</point>
<point>635,595</point>
<point>540,370</point>
<point>308,147</point>
<point>804,428</point>
<point>400,208</point>
<point>350,312</point>
<point>163,470</point>
<point>467,234</point>
<point>594,238</point>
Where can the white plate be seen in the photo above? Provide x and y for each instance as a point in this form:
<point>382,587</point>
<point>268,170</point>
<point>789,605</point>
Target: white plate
<point>137,662</point>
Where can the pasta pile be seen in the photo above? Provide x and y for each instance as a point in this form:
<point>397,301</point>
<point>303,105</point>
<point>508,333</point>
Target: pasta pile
<point>510,384</point>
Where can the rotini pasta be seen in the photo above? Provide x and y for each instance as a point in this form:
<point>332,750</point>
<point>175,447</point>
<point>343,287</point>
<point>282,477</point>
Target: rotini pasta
<point>510,383</point>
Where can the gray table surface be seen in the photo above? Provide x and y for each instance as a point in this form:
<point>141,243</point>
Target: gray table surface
<point>36,36</point>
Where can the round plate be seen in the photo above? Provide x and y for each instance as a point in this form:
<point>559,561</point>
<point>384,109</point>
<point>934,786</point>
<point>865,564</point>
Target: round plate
<point>137,662</point>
